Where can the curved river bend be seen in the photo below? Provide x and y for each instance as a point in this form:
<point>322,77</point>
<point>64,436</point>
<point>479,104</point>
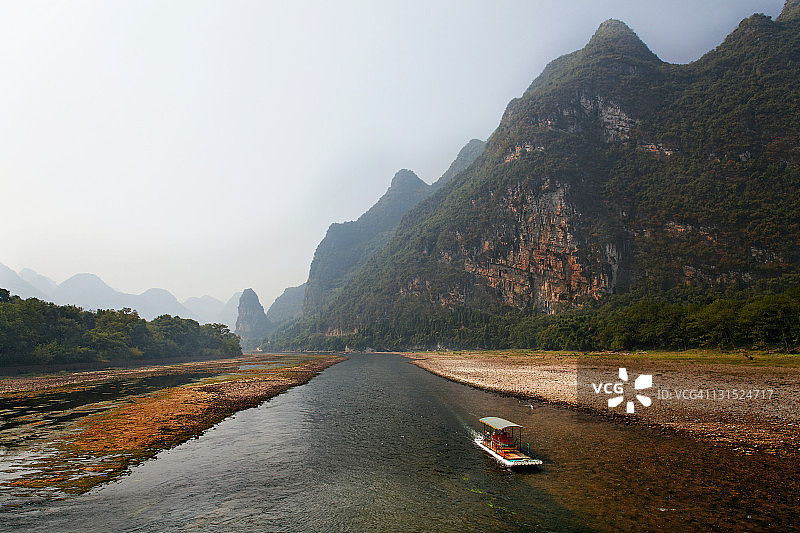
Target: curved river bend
<point>375,443</point>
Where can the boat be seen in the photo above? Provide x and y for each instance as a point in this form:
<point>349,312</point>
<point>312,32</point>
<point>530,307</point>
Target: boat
<point>499,441</point>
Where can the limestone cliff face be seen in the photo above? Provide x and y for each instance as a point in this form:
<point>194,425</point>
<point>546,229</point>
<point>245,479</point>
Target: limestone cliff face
<point>537,257</point>
<point>530,245</point>
<point>539,246</point>
<point>252,322</point>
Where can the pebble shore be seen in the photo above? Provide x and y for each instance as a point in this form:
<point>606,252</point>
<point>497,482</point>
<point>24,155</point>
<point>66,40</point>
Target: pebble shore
<point>690,397</point>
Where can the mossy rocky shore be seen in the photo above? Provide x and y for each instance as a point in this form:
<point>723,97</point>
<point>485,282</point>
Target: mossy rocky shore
<point>100,446</point>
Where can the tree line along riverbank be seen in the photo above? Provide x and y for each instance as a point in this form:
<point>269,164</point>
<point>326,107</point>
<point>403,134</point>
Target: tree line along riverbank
<point>33,332</point>
<point>764,314</point>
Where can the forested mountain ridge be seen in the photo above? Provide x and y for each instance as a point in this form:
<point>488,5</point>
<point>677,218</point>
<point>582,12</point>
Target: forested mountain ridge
<point>288,306</point>
<point>466,156</point>
<point>613,170</point>
<point>348,246</point>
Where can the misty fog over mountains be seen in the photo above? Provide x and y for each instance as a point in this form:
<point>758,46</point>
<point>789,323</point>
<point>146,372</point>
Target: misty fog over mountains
<point>90,292</point>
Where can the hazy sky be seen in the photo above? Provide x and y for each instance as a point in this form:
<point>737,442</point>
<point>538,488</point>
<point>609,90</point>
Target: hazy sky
<point>205,146</point>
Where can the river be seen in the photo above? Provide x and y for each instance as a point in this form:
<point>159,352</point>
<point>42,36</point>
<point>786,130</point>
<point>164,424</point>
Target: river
<point>375,443</point>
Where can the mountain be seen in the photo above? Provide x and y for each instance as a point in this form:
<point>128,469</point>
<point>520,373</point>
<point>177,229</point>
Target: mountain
<point>614,170</point>
<point>230,312</point>
<point>89,292</point>
<point>155,302</point>
<point>791,11</point>
<point>11,281</point>
<point>212,311</point>
<point>252,322</point>
<point>288,306</point>
<point>46,285</point>
<point>207,308</point>
<point>347,246</point>
<point>466,156</point>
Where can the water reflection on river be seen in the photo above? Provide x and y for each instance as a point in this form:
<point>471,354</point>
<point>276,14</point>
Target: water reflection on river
<point>375,443</point>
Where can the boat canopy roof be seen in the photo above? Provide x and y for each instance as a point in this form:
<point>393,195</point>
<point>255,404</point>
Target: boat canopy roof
<point>499,423</point>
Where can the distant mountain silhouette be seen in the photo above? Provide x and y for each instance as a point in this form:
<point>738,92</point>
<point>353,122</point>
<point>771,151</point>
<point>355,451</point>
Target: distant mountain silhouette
<point>230,311</point>
<point>90,292</point>
<point>155,302</point>
<point>43,283</point>
<point>206,307</point>
<point>16,285</point>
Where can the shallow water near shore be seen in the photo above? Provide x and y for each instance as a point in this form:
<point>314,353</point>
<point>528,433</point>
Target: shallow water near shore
<point>375,443</point>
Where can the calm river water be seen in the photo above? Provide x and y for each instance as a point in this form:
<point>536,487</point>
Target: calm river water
<point>375,443</point>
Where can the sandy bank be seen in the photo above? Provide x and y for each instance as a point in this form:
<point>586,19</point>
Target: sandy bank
<point>745,406</point>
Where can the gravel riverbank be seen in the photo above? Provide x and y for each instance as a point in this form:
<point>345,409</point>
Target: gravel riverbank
<point>750,407</point>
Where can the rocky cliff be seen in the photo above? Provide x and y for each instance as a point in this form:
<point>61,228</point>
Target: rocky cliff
<point>252,322</point>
